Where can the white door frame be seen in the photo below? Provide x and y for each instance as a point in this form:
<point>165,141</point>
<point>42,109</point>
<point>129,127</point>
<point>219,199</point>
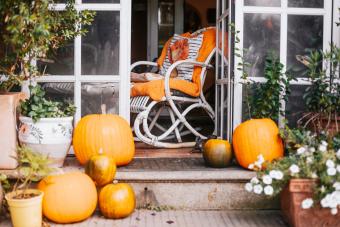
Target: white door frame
<point>123,77</point>
<point>284,11</point>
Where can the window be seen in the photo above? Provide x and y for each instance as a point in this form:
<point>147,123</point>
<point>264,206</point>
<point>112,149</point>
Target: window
<point>93,69</point>
<point>289,28</point>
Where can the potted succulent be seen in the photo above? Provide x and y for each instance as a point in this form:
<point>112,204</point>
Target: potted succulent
<point>30,31</point>
<point>322,97</point>
<point>308,178</point>
<point>25,204</point>
<point>46,126</point>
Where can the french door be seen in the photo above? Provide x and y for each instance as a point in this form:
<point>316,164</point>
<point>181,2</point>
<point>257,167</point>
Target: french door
<point>224,88</point>
<point>94,69</point>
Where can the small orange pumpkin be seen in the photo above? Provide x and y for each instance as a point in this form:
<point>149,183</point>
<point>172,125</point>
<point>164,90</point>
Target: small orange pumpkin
<point>69,197</point>
<point>255,137</point>
<point>101,168</point>
<point>217,153</point>
<point>117,200</point>
<point>109,132</point>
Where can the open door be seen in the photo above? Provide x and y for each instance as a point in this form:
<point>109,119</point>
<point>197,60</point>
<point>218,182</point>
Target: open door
<point>223,105</point>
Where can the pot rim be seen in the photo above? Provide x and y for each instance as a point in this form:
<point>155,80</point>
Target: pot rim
<point>46,119</point>
<point>38,193</point>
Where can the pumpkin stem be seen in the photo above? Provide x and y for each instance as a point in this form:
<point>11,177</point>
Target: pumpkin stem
<point>103,107</point>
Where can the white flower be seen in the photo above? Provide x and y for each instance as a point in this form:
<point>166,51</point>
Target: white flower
<point>334,211</point>
<point>330,163</point>
<point>258,189</point>
<point>331,171</point>
<point>268,190</point>
<point>322,148</point>
<point>260,159</point>
<point>309,160</point>
<point>338,154</point>
<point>267,179</point>
<point>307,203</point>
<point>258,164</point>
<point>251,166</point>
<point>248,187</point>
<point>323,189</point>
<point>338,168</point>
<point>336,185</point>
<point>276,174</point>
<point>254,180</point>
<point>294,169</point>
<point>312,149</point>
<point>324,202</point>
<point>314,175</point>
<point>301,150</point>
<point>324,143</point>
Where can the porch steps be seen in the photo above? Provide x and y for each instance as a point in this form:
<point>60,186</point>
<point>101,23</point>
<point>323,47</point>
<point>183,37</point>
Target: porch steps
<point>169,183</point>
<point>186,184</point>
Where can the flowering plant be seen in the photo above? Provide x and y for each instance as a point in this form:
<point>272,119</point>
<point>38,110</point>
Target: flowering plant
<point>309,156</point>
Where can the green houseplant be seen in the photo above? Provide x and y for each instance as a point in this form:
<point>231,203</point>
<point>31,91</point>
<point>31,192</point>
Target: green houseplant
<point>308,178</point>
<point>259,135</point>
<point>25,204</point>
<point>32,31</point>
<point>322,97</point>
<point>46,125</point>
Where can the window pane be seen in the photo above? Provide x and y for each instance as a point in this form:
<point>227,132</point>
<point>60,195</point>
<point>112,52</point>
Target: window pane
<point>295,106</point>
<point>306,3</point>
<point>60,62</point>
<point>304,34</point>
<point>60,92</point>
<point>262,2</point>
<point>261,35</point>
<point>95,94</point>
<point>100,46</point>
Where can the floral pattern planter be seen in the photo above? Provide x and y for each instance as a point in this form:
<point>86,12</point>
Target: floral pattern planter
<point>50,136</point>
<point>291,200</point>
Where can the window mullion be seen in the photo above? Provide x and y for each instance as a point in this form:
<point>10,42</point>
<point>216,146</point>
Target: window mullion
<point>77,74</point>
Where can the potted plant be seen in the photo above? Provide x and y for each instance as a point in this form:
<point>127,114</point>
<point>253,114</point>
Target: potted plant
<point>30,31</point>
<point>307,179</point>
<point>25,204</point>
<point>322,97</point>
<point>4,184</point>
<point>46,126</point>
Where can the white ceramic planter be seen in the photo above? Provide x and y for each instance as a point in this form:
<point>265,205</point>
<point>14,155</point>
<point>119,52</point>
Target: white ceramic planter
<point>50,136</point>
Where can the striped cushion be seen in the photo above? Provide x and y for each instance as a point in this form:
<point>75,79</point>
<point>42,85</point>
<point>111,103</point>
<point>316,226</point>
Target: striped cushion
<point>182,48</point>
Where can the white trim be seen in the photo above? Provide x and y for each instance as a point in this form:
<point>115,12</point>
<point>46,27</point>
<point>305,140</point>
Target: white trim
<point>124,59</point>
<point>285,9</point>
<point>95,7</point>
<point>336,29</point>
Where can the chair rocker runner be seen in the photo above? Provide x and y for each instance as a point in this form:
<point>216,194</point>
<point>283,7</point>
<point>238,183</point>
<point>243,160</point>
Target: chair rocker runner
<point>178,106</point>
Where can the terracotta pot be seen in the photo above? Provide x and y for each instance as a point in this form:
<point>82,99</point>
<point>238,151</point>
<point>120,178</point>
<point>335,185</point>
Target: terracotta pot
<point>291,199</point>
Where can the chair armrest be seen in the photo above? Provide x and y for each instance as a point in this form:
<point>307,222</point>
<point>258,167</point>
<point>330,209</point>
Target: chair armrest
<point>138,63</point>
<point>175,65</point>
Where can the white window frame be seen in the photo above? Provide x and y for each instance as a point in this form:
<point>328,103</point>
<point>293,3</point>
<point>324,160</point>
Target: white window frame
<point>284,11</point>
<point>123,77</point>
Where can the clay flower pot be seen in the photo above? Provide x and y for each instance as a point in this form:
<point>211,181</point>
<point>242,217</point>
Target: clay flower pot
<point>291,199</point>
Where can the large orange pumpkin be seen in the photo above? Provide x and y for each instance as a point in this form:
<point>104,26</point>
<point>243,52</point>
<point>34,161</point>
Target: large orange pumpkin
<point>103,131</point>
<point>101,168</point>
<point>255,137</point>
<point>117,200</point>
<point>69,197</point>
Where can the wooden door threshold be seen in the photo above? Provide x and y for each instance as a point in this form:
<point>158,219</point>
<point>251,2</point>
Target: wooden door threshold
<point>147,151</point>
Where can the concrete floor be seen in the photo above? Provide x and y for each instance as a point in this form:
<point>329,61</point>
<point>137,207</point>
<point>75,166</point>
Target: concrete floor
<point>146,218</point>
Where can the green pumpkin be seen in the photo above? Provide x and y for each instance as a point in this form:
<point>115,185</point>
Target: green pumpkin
<point>217,153</point>
<point>101,168</point>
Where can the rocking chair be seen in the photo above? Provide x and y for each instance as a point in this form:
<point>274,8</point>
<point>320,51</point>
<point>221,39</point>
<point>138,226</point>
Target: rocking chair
<point>178,105</point>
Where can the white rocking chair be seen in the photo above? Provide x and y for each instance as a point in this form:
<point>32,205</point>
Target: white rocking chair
<point>148,115</point>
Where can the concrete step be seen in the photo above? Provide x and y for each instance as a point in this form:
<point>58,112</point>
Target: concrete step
<point>186,183</point>
<point>145,218</point>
